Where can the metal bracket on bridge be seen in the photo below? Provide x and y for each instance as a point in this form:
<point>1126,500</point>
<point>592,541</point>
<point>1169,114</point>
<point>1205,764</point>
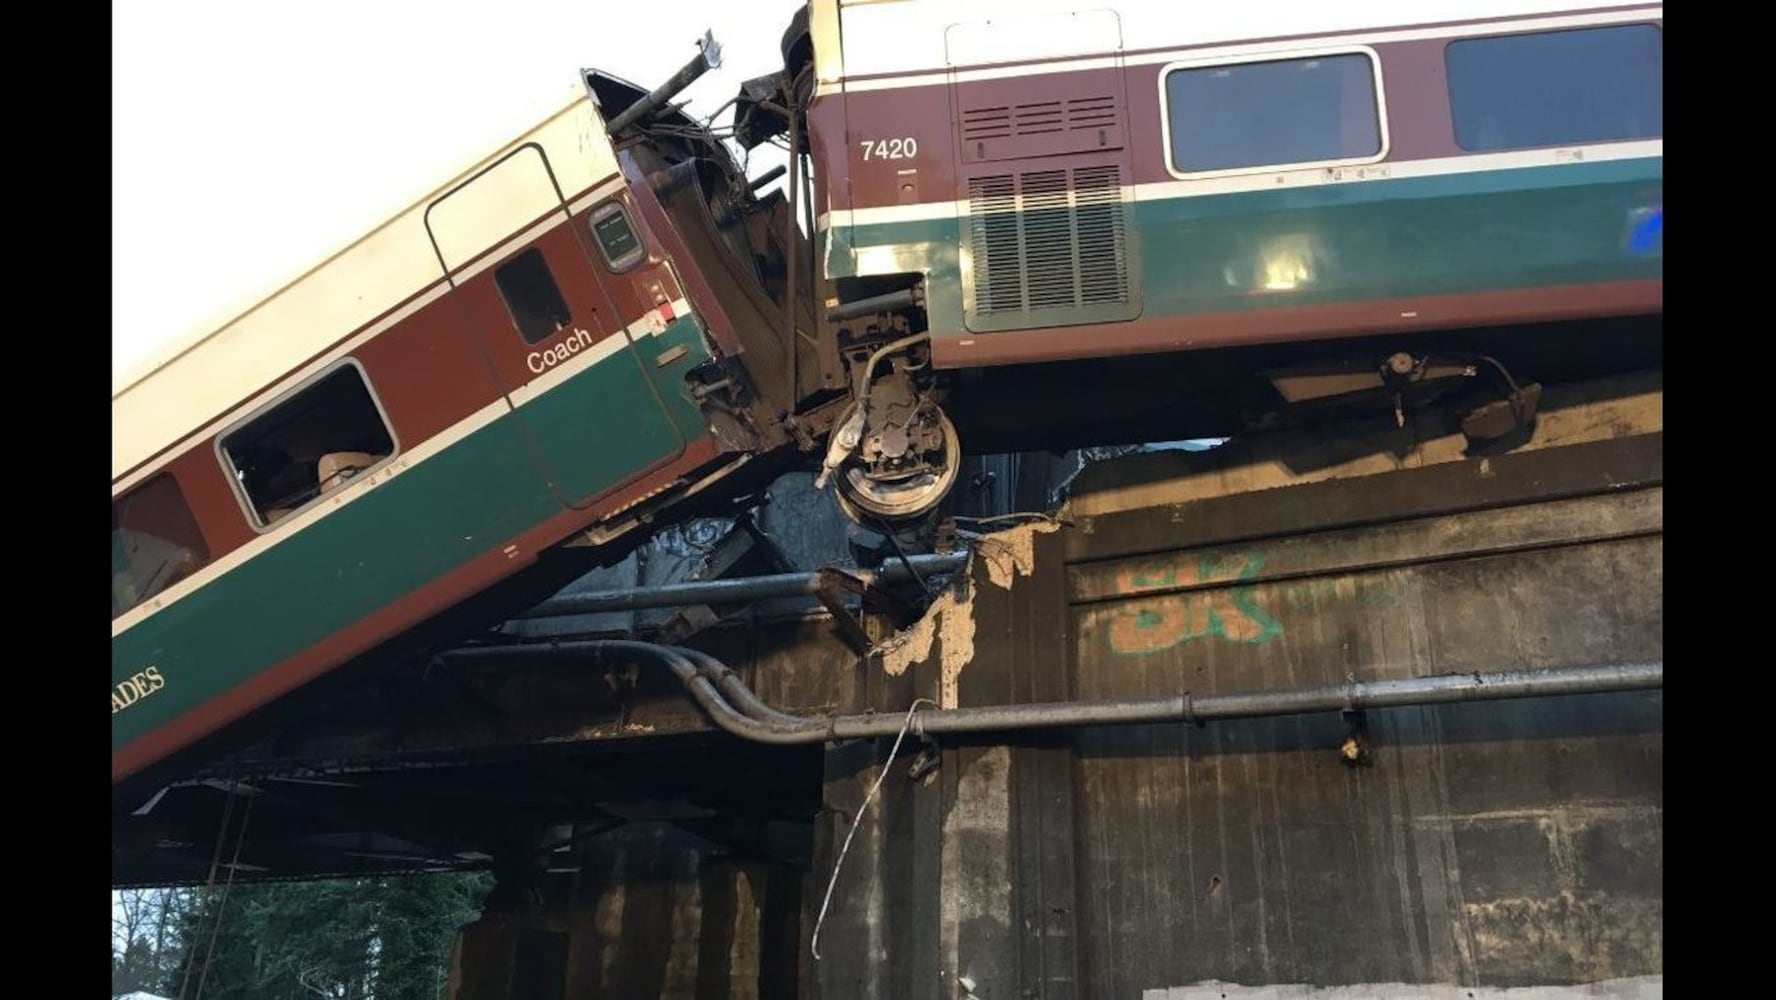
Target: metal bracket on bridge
<point>831,586</point>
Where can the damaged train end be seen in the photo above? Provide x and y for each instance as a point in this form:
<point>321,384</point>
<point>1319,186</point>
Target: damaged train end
<point>840,369</point>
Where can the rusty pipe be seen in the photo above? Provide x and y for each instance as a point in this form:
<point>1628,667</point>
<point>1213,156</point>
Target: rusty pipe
<point>754,588</point>
<point>886,302</point>
<point>1442,689</point>
<point>738,710</point>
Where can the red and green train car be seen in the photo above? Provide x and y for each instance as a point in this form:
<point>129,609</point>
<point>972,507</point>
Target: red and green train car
<point>602,325</point>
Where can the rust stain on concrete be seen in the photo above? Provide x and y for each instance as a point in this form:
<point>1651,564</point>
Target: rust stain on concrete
<point>1579,937</point>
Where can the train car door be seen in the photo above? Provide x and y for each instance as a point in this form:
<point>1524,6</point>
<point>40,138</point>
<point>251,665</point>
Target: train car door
<point>591,416</point>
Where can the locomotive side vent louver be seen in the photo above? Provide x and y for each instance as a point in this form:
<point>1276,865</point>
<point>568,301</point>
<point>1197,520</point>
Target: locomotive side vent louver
<point>1048,246</point>
<point>986,123</point>
<point>1041,128</point>
<point>1039,118</point>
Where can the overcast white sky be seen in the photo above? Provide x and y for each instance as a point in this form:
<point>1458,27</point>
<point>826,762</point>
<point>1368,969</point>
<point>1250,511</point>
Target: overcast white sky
<point>253,139</point>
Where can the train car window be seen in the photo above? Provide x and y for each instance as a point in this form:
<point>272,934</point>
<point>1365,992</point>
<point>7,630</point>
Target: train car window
<point>155,542</point>
<point>1273,113</point>
<point>1557,88</point>
<point>616,237</point>
<point>532,297</point>
<point>308,445</point>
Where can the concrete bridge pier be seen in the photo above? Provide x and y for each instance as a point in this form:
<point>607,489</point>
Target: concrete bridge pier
<point>647,910</point>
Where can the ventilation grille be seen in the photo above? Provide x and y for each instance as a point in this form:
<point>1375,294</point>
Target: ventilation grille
<point>1041,128</point>
<point>1039,118</point>
<point>1048,239</point>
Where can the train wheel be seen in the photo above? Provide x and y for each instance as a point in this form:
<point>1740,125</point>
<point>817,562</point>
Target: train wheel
<point>902,473</point>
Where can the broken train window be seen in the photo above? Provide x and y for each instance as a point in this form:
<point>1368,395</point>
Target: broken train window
<point>531,295</point>
<point>308,445</point>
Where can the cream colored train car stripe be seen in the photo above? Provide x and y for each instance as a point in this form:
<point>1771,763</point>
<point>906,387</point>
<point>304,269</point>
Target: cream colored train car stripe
<point>930,72</point>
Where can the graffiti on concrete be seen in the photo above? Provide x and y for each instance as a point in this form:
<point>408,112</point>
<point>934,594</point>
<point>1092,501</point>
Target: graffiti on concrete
<point>1228,609</point>
<point>1229,613</point>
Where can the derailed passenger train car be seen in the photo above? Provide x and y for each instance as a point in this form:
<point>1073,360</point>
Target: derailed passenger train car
<point>510,371</point>
<point>604,327</point>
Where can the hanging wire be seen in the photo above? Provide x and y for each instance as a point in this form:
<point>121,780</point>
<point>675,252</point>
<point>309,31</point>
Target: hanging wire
<point>728,104</point>
<point>814,945</point>
<point>887,531</point>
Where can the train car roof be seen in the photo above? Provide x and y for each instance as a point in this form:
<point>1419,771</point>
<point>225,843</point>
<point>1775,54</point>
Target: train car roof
<point>895,37</point>
<point>1265,20</point>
